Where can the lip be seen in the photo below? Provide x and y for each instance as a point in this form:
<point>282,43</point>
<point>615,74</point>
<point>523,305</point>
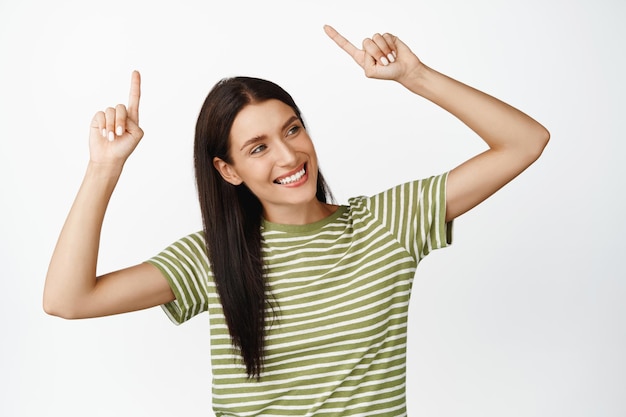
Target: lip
<point>290,173</point>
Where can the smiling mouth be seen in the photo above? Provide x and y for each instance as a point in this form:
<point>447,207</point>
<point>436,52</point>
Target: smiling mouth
<point>290,179</point>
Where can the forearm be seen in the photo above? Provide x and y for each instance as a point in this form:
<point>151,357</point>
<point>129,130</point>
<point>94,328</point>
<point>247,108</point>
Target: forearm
<point>497,123</point>
<point>72,271</point>
<point>515,140</point>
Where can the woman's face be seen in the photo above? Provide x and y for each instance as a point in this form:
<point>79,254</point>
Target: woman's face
<point>274,156</point>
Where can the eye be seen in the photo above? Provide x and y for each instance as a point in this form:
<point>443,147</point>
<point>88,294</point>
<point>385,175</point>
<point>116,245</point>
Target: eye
<point>258,149</point>
<point>293,130</point>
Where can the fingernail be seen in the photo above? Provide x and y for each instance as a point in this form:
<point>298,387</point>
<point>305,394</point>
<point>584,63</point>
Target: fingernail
<point>111,136</point>
<point>119,131</point>
<point>391,58</point>
<point>384,60</point>
<point>104,133</point>
<point>394,54</point>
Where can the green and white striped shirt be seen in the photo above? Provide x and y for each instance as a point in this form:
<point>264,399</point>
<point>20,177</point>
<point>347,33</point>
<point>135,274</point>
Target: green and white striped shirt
<point>337,343</point>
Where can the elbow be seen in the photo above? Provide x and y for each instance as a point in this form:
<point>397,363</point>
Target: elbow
<point>544,138</point>
<point>538,143</point>
<point>61,300</point>
<point>64,314</point>
<point>57,308</point>
<point>53,310</point>
<point>51,305</point>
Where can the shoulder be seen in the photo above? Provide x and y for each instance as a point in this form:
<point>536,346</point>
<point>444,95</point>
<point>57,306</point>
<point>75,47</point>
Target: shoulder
<point>404,193</point>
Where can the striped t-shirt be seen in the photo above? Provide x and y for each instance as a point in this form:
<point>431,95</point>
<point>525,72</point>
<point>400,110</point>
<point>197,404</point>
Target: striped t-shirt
<point>340,287</point>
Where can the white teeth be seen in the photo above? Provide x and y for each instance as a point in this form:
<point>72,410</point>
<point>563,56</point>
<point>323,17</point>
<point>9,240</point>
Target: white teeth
<point>293,178</point>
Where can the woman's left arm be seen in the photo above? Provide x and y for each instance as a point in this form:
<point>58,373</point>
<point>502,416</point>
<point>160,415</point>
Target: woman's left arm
<point>515,140</point>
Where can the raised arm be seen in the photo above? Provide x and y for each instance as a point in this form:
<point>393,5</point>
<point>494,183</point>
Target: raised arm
<point>72,289</point>
<point>515,140</point>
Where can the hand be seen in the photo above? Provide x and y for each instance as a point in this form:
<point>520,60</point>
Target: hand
<point>383,57</point>
<point>115,132</point>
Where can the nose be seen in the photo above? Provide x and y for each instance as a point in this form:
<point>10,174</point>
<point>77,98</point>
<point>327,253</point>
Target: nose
<point>285,154</point>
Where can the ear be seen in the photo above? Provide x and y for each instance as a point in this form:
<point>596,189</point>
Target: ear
<point>227,171</point>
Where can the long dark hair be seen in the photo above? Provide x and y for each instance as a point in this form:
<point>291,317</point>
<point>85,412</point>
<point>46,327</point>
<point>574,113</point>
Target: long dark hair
<point>232,215</point>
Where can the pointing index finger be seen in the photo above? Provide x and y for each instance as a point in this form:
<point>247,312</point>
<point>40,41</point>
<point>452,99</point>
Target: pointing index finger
<point>342,42</point>
<point>133,97</point>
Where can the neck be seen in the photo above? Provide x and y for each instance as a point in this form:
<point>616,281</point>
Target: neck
<point>299,215</point>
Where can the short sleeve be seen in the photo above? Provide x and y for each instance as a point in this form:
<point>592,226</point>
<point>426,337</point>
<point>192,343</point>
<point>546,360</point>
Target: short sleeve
<point>415,213</point>
<point>186,267</point>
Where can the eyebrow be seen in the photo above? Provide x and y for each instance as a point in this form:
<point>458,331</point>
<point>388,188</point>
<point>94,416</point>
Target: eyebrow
<point>261,137</point>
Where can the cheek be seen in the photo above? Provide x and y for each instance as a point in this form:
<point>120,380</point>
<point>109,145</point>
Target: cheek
<point>255,170</point>
<point>313,155</point>
<point>309,148</point>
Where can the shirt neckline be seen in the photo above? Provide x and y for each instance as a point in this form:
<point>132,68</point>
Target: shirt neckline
<point>304,228</point>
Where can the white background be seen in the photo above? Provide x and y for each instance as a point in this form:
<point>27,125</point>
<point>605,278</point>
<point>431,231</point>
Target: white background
<point>523,316</point>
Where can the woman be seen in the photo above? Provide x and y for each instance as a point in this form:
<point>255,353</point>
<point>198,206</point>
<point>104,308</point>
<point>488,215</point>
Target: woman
<point>307,300</point>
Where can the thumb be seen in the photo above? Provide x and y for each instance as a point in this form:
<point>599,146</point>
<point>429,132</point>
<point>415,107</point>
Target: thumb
<point>401,47</point>
<point>369,64</point>
<point>133,129</point>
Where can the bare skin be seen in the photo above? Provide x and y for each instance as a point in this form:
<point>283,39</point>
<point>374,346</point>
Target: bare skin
<point>261,160</point>
<point>515,140</point>
<point>73,290</point>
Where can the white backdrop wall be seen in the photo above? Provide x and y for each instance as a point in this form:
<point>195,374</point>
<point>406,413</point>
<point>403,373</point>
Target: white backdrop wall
<point>523,316</point>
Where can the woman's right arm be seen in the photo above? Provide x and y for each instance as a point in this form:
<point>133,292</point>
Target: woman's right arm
<point>72,289</point>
